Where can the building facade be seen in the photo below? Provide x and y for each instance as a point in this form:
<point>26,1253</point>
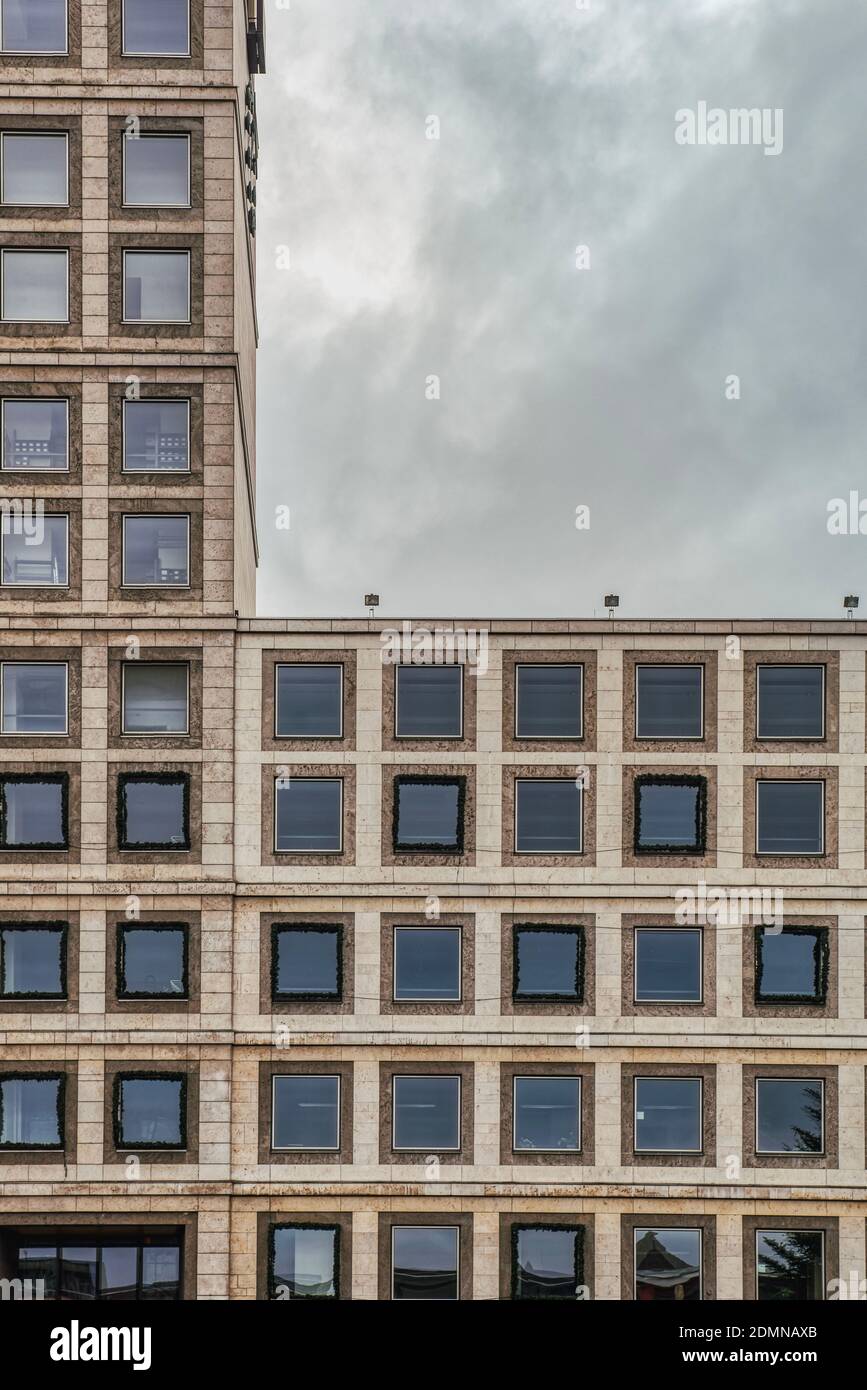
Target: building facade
<point>470,959</point>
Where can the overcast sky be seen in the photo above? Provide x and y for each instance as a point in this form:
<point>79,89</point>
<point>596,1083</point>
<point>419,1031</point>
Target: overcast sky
<point>411,258</point>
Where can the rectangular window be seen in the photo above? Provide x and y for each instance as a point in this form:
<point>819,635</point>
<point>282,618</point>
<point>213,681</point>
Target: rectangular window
<point>790,817</point>
<point>308,815</point>
<point>424,1263</point>
<point>548,964</point>
<point>33,26</point>
<point>548,816</point>
<point>547,1262</point>
<point>790,1116</point>
<point>429,701</point>
<point>670,815</point>
<point>33,961</point>
<point>668,965</point>
<point>427,963</point>
<point>34,697</point>
<point>156,28</point>
<point>31,1112</point>
<point>35,286</point>
<point>35,551</point>
<point>156,171</point>
<point>669,702</point>
<point>124,1269</point>
<point>153,811</point>
<point>790,1266</point>
<point>429,814</point>
<point>156,436</point>
<point>427,1113</point>
<point>35,435</point>
<point>156,697</point>
<point>790,702</point>
<point>156,552</point>
<point>668,1114</point>
<point>305,1113</point>
<point>547,1114</point>
<point>307,962</point>
<point>34,811</point>
<point>34,169</point>
<point>668,1264</point>
<point>152,961</point>
<point>792,965</point>
<point>549,701</point>
<point>308,701</point>
<point>303,1261</point>
<point>156,287</point>
<point>150,1111</point>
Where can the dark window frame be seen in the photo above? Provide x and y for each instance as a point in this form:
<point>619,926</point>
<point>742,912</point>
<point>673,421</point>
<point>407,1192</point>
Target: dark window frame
<point>157,1145</point>
<point>580,963</point>
<point>667,666</point>
<point>55,778</point>
<point>121,929</point>
<point>124,779</point>
<point>791,666</point>
<point>821,964</point>
<point>61,929</point>
<point>579,1232</point>
<point>647,779</point>
<point>429,779</point>
<point>309,996</point>
<point>312,1225</point>
<point>59,1076</point>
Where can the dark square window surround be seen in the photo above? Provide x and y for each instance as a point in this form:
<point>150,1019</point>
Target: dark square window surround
<point>153,961</point>
<point>429,814</point>
<point>33,960</point>
<point>547,1261</point>
<point>153,811</point>
<point>548,964</point>
<point>304,1261</point>
<point>150,1111</point>
<point>670,814</point>
<point>34,811</point>
<point>792,965</point>
<point>306,962</point>
<point>31,1110</point>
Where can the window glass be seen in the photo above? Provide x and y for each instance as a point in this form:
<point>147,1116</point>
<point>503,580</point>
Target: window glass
<point>79,1273</point>
<point>159,27</point>
<point>156,436</point>
<point>32,962</point>
<point>160,1272</point>
<point>427,1112</point>
<point>34,697</point>
<point>307,962</point>
<point>547,816</point>
<point>30,1112</point>
<point>39,1263</point>
<point>547,1261</point>
<point>667,1114</point>
<point>791,964</point>
<point>791,701</point>
<point>156,286</point>
<point>789,1115</point>
<point>667,966</point>
<point>150,1112</point>
<point>669,815</point>
<point>118,1272</point>
<point>156,551</point>
<point>790,817</point>
<point>152,962</point>
<point>309,701</point>
<point>34,288</point>
<point>548,963</point>
<point>304,1262</point>
<point>424,1262</point>
<point>36,435</point>
<point>33,26</point>
<point>547,1113</point>
<point>790,1266</point>
<point>428,814</point>
<point>306,1112</point>
<point>427,963</point>
<point>155,697</point>
<point>153,811</point>
<point>667,1264</point>
<point>308,817</point>
<point>548,701</point>
<point>429,701</point>
<point>34,170</point>
<point>35,551</point>
<point>33,812</point>
<point>156,171</point>
<point>668,701</point>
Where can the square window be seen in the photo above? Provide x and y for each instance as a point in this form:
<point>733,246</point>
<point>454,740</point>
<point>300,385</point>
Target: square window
<point>156,552</point>
<point>668,965</point>
<point>150,1111</point>
<point>33,26</point>
<point>307,962</point>
<point>156,286</point>
<point>152,962</point>
<point>34,697</point>
<point>158,28</point>
<point>156,171</point>
<point>156,436</point>
<point>34,811</point>
<point>547,1262</point>
<point>792,965</point>
<point>33,961</point>
<point>429,701</point>
<point>153,811</point>
<point>156,697</point>
<point>790,702</point>
<point>308,815</point>
<point>668,1115</point>
<point>35,286</point>
<point>790,1116</point>
<point>668,1264</point>
<point>429,814</point>
<point>306,1113</point>
<point>308,701</point>
<point>427,1113</point>
<point>424,1263</point>
<point>31,1112</point>
<point>669,702</point>
<point>548,816</point>
<point>34,169</point>
<point>548,964</point>
<point>790,817</point>
<point>549,701</point>
<point>547,1114</point>
<point>35,551</point>
<point>36,435</point>
<point>427,963</point>
<point>304,1262</point>
<point>790,1266</point>
<point>670,815</point>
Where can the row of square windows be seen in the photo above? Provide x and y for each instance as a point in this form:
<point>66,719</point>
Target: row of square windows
<point>148,29</point>
<point>34,285</point>
<point>308,964</point>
